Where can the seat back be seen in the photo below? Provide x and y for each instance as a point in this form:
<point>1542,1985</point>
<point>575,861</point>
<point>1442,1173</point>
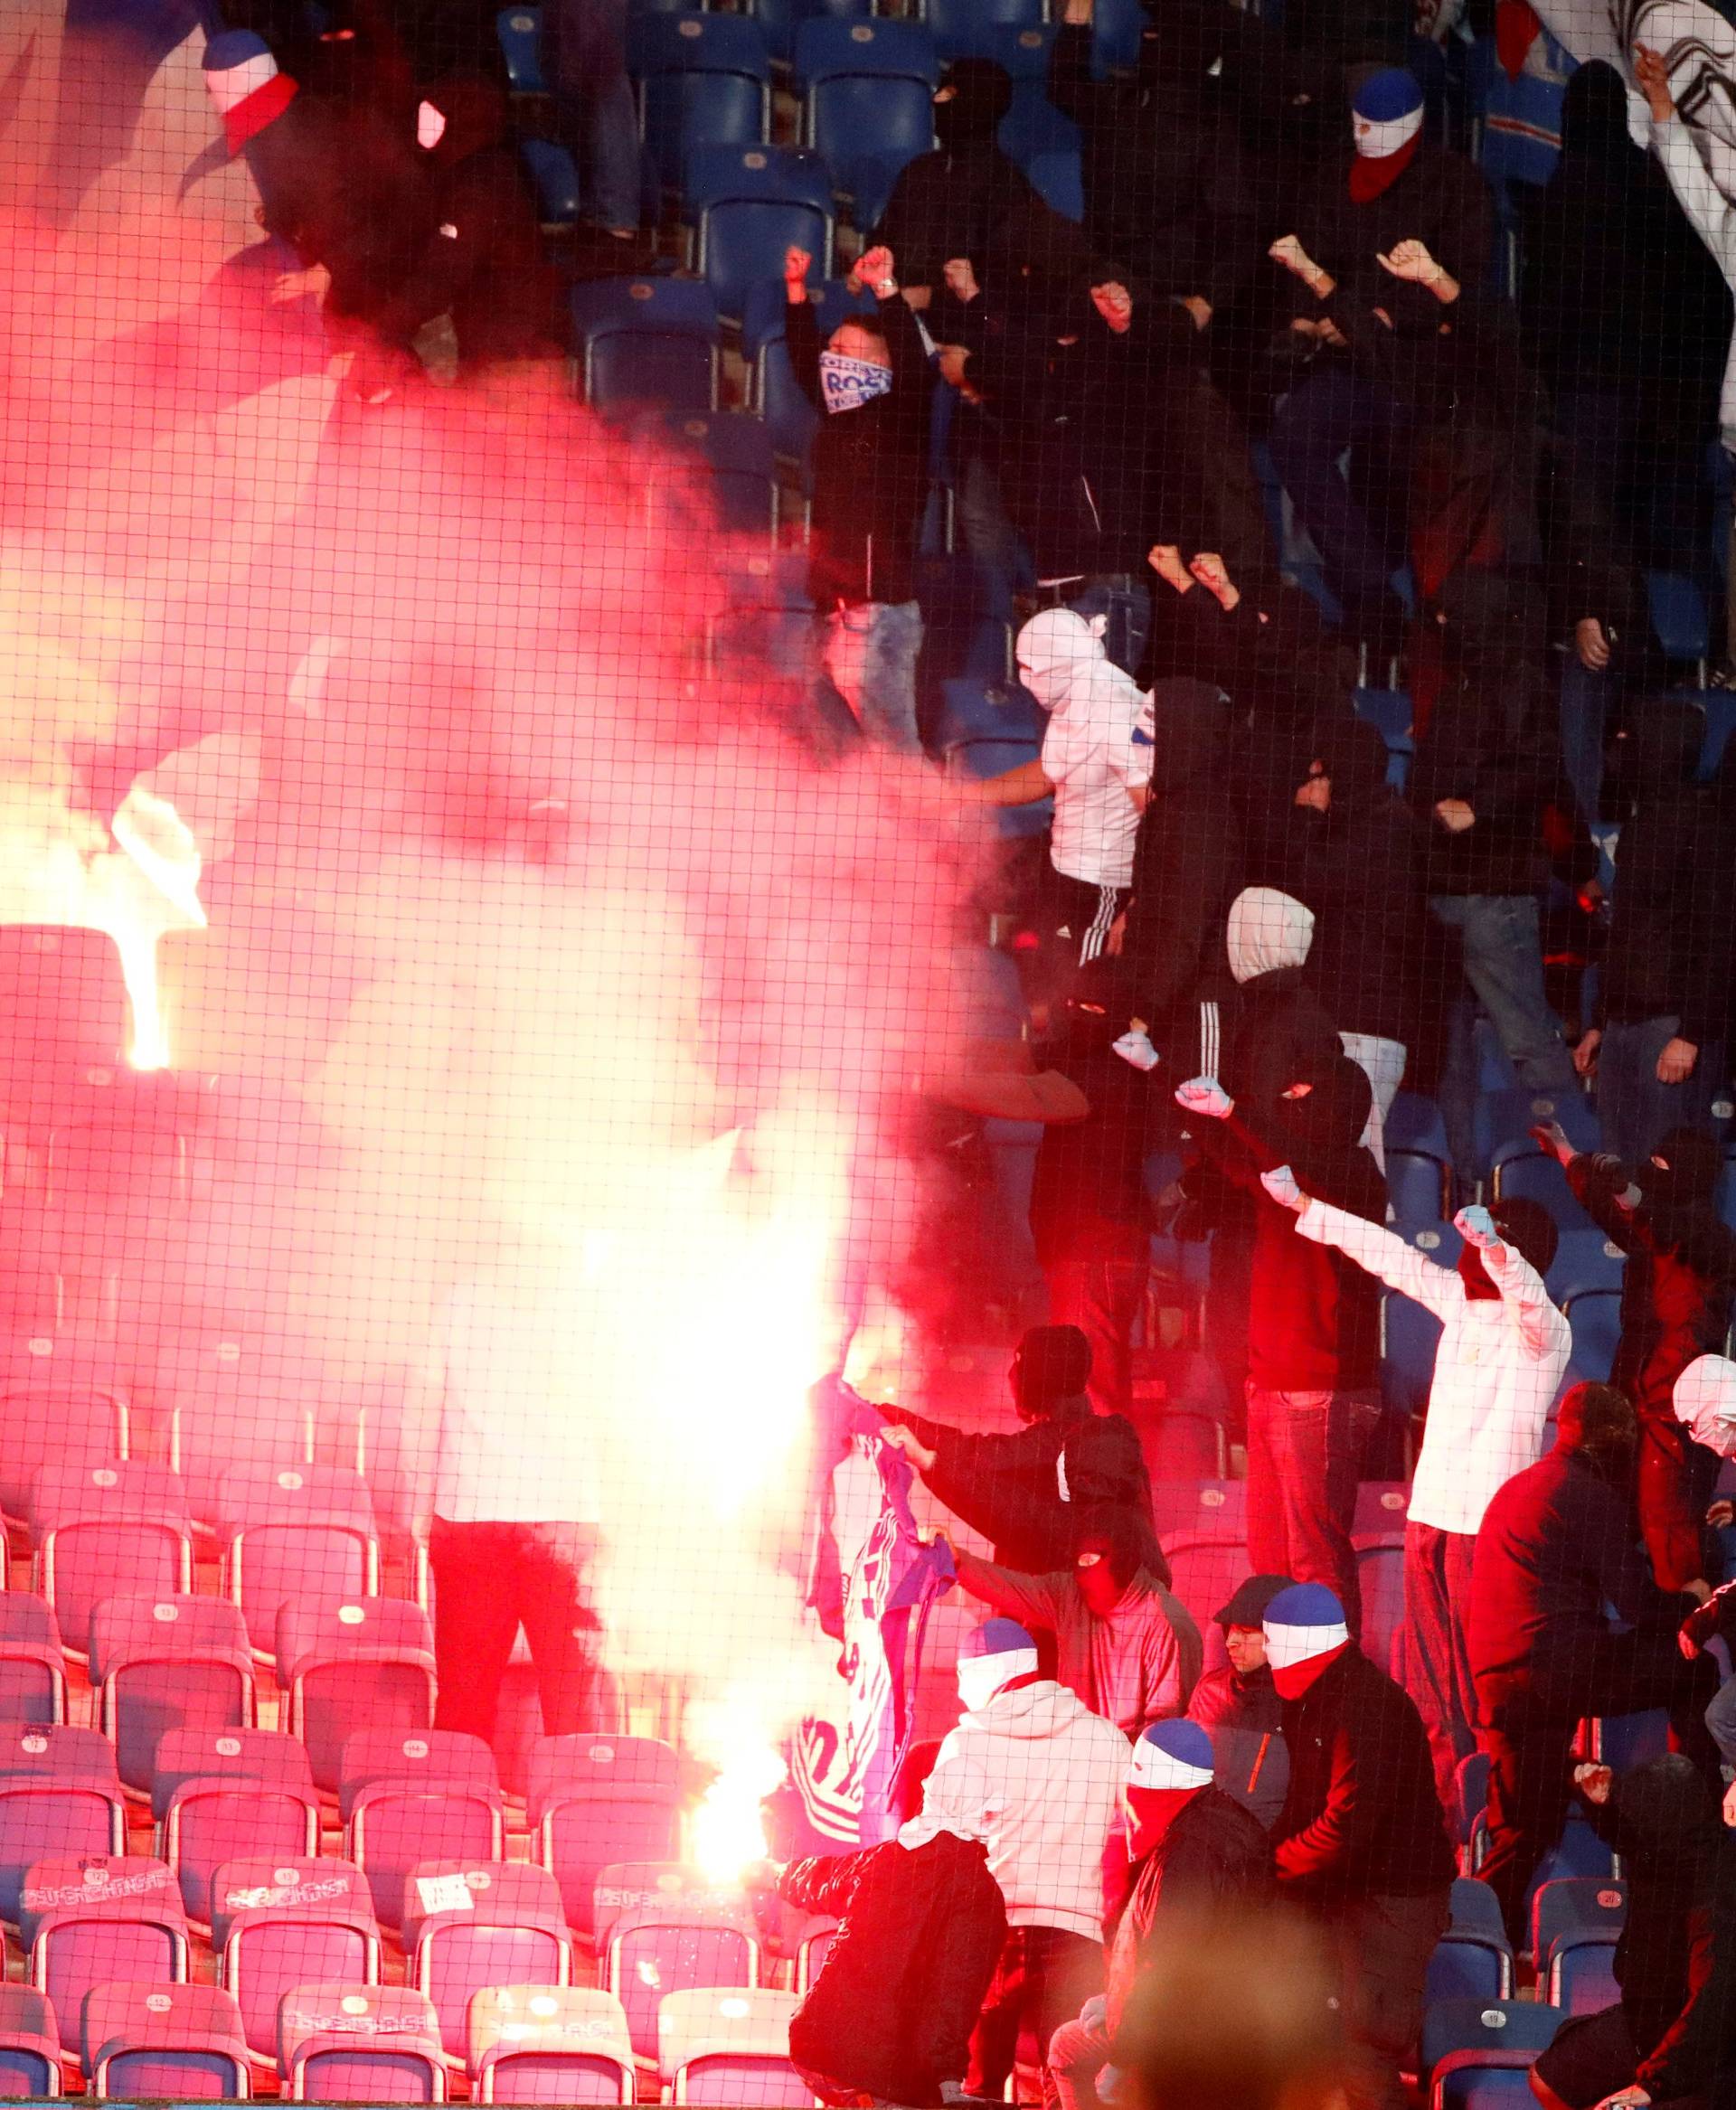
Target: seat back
<point>432,1796</point>
<point>1467,1968</point>
<point>518,31</point>
<point>29,2043</point>
<point>349,1663</point>
<point>115,1529</point>
<point>467,1928</point>
<point>704,79</point>
<point>229,1797</point>
<point>166,1663</point>
<point>1417,1186</point>
<point>749,204</point>
<point>1571,1907</point>
<point>645,340</point>
<point>58,1407</point>
<point>1380,1575</point>
<point>828,49</point>
<point>278,1924</point>
<point>142,2040</point>
<point>234,1399</point>
<point>1491,2028</point>
<point>594,1801</point>
<point>104,1917</point>
<point>1383,1507</point>
<point>59,1797</point>
<point>548,2044</point>
<point>646,1886</point>
<point>359,2043</point>
<point>295,1532</point>
<point>715,2030</point>
<point>1203,1531</point>
<point>32,1665</point>
<point>670,1949</point>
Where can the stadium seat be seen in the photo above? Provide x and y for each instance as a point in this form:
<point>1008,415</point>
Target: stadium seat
<point>166,1663</point>
<point>1474,1957</point>
<point>1463,2038</point>
<point>1471,1797</point>
<point>1680,621</point>
<point>84,1922</point>
<point>351,2043</point>
<point>60,1795</point>
<point>354,1664</point>
<point>730,2046</point>
<point>1119,25</point>
<point>1626,1740</point>
<point>304,1531</point>
<point>637,1885</point>
<point>182,2041</point>
<point>674,1948</point>
<point>703,81</point>
<point>1521,1171</point>
<point>29,2043</point>
<point>278,1924</point>
<point>868,103</point>
<point>470,1925</point>
<point>1379,1576</point>
<point>107,1530</point>
<point>749,204</point>
<point>641,341</point>
<point>1415,1122</point>
<point>593,1801</point>
<point>1057,177</point>
<point>61,1404</point>
<point>554,177</point>
<point>733,452</point>
<point>1381,1508</point>
<point>221,1795</point>
<point>780,19</point>
<point>1409,1333</point>
<point>431,1796</point>
<point>1594,1319</point>
<point>32,1666</point>
<point>1576,1922</point>
<point>554,2044</point>
<point>964,29</point>
<point>519,31</point>
<point>1203,1531</point>
<point>1506,1117</point>
<point>232,1398</point>
<point>1417,1186</point>
<point>812,1949</point>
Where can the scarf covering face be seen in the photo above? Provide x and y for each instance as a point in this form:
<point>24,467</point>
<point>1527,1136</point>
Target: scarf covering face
<point>846,384</point>
<point>1386,125</point>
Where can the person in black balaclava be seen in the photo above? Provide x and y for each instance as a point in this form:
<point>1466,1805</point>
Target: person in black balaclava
<point>1024,1491</point>
<point>1555,1556</point>
<point>1657,1041</point>
<point>1676,1294</point>
<point>1663,1823</point>
<point>1314,1317</point>
<point>955,203</point>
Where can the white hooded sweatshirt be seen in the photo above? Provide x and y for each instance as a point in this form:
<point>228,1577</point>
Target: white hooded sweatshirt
<point>1098,750</point>
<point>1267,930</point>
<point>1705,1403</point>
<point>1055,1772</point>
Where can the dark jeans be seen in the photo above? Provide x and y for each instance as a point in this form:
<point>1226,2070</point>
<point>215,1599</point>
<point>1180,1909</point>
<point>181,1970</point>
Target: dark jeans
<point>1101,1298</point>
<point>1357,522</point>
<point>1635,1111</point>
<point>1527,1728</point>
<point>1437,1661</point>
<point>1383,1944</point>
<point>1304,1458</point>
<point>1044,1976</point>
<point>491,1578</point>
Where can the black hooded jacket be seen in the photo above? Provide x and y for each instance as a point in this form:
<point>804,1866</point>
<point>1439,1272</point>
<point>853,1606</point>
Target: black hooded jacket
<point>1271,655</point>
<point>957,200</point>
<point>920,1931</point>
<point>1698,2059</point>
<point>1490,741</point>
<point>1670,949</point>
<point>1187,858</point>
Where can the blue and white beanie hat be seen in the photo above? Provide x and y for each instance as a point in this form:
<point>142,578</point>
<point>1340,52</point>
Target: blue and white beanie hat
<point>236,64</point>
<point>1172,1754</point>
<point>993,1654</point>
<point>1387,113</point>
<point>1304,1621</point>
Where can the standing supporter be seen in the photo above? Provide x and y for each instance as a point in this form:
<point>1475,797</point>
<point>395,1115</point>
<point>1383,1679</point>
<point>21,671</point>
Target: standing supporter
<point>1128,1649</point>
<point>1361,1843</point>
<point>870,383</point>
<point>1096,760</point>
<point>1055,1772</point>
<point>1329,833</point>
<point>594,99</point>
<point>1554,1550</point>
<point>1657,1041</point>
<point>1239,1708</point>
<point>954,204</point>
<point>921,1926</point>
<point>1253,635</point>
<point>1194,1853</point>
<point>1487,766</point>
<point>1676,1294</point>
<point>1274,1028</point>
<point>1388,249</point>
<point>1503,1348</point>
<point>1313,1319</point>
<point>1705,1405</point>
<point>1167,189</point>
<point>1024,1493</point>
<point>1661,1820</point>
<point>1696,2064</point>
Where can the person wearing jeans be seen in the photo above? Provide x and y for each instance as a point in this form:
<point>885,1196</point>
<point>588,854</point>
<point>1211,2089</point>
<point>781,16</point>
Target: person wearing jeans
<point>594,99</point>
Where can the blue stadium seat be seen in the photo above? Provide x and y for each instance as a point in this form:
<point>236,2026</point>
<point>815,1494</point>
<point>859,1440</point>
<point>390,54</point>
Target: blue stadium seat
<point>1521,1172</point>
<point>1576,1922</point>
<point>1506,1115</point>
<point>1381,1508</point>
<point>777,394</point>
<point>519,34</point>
<point>1585,1261</point>
<point>1409,1335</point>
<point>704,79</point>
<point>1059,179</point>
<point>776,642</point>
<point>1626,1740</point>
<point>967,28</point>
<point>1594,1316</point>
<point>1417,1186</point>
<point>555,175</point>
<point>1720,708</point>
<point>780,20</point>
<point>1679,618</point>
<point>1415,1122</point>
<point>749,204</point>
<point>1470,1800</point>
<point>1465,2039</point>
<point>868,103</point>
<point>735,451</point>
<point>1391,712</point>
<point>1467,1968</point>
<point>644,341</point>
<point>976,710</point>
<point>1119,25</point>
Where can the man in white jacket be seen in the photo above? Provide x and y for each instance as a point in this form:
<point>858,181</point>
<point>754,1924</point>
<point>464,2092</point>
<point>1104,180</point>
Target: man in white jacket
<point>1502,1354</point>
<point>1054,1773</point>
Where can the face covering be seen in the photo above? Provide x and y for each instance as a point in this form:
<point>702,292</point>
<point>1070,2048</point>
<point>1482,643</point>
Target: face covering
<point>1151,1811</point>
<point>846,384</point>
<point>980,1678</point>
<point>1705,1403</point>
<point>431,127</point>
<point>1267,930</point>
<point>1102,1584</point>
<point>1293,1680</point>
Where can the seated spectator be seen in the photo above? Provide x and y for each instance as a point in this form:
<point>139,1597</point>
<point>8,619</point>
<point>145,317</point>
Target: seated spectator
<point>1554,1555</point>
<point>922,1924</point>
<point>1389,249</point>
<point>1024,1493</point>
<point>1167,189</point>
<point>1676,1294</point>
<point>955,204</point>
<point>1127,1648</point>
<point>1657,1041</point>
<point>1313,1319</point>
<point>1325,829</point>
<point>1195,1851</point>
<point>1663,1821</point>
<point>1361,1843</point>
<point>1503,1348</point>
<point>1053,1771</point>
<point>870,383</point>
<point>1238,1706</point>
<point>1488,767</point>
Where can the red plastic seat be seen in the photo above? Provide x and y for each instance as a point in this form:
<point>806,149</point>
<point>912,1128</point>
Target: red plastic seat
<point>226,1795</point>
<point>60,1795</point>
<point>295,1532</point>
<point>29,2043</point>
<point>595,1800</point>
<point>277,1925</point>
<point>84,1923</point>
<point>33,1664</point>
<point>434,1796</point>
<point>554,2044</point>
<point>359,2044</point>
<point>351,1663</point>
<point>677,1949</point>
<point>467,1928</point>
<point>181,2042</point>
<point>162,1664</point>
<point>110,1531</point>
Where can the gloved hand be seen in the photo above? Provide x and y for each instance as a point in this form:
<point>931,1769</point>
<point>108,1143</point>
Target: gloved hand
<point>1204,1096</point>
<point>1281,1185</point>
<point>1135,1046</point>
<point>1476,1226</point>
<point>1109,2083</point>
<point>1095,2013</point>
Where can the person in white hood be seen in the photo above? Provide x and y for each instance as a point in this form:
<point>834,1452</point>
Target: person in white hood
<point>1705,1404</point>
<point>1095,759</point>
<point>1053,1771</point>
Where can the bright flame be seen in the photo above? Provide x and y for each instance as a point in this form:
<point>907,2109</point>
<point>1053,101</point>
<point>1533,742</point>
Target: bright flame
<point>729,1829</point>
